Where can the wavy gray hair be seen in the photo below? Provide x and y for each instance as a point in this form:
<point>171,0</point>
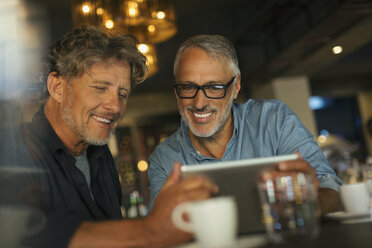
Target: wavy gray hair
<point>83,47</point>
<point>216,46</point>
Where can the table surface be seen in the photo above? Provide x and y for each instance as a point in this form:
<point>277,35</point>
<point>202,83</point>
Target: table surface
<point>333,234</point>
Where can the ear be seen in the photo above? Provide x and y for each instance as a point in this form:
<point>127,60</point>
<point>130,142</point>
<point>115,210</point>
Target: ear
<point>237,86</point>
<point>55,85</point>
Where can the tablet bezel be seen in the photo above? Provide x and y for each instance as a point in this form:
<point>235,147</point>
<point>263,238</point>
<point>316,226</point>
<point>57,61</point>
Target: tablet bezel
<point>222,165</point>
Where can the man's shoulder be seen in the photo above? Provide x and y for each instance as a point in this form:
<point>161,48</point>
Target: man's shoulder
<point>252,104</point>
<point>171,143</point>
<point>172,147</point>
<point>260,108</point>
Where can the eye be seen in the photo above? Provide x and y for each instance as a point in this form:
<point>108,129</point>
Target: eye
<point>123,95</point>
<point>214,87</point>
<point>100,88</point>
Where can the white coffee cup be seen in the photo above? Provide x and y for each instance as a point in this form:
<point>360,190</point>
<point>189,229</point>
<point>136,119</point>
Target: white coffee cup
<point>213,221</point>
<point>355,198</point>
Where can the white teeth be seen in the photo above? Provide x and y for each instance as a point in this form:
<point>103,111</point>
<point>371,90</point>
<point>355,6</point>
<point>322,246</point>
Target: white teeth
<point>102,119</point>
<point>202,115</point>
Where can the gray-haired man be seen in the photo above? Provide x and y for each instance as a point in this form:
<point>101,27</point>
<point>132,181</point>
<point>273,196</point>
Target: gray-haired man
<point>213,128</point>
<point>64,167</point>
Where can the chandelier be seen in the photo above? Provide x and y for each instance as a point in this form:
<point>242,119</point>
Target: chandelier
<point>150,21</point>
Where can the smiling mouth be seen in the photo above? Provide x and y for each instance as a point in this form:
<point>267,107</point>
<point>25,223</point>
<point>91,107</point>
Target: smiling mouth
<point>204,115</point>
<point>102,119</point>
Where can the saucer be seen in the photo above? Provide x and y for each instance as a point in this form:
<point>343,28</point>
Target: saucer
<point>196,244</point>
<point>346,217</point>
<point>246,241</point>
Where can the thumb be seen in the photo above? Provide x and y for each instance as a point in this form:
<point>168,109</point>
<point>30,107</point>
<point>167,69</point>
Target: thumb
<point>174,177</point>
<point>299,155</point>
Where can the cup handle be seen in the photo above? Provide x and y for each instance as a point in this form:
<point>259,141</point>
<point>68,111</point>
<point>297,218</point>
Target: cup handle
<point>177,219</point>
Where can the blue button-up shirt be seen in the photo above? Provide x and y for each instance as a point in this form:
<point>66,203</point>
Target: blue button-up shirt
<point>262,128</point>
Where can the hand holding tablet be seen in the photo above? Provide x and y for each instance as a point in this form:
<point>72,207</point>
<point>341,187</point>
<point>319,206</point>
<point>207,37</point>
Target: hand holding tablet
<point>239,179</point>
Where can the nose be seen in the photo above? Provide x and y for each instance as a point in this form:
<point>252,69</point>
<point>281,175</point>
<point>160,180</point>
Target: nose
<point>200,100</point>
<point>112,103</point>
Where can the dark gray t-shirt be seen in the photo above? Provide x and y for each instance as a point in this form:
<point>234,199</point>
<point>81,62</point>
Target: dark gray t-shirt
<point>83,165</point>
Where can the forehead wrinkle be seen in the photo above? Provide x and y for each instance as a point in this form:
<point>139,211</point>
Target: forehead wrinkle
<point>110,84</point>
<point>103,82</point>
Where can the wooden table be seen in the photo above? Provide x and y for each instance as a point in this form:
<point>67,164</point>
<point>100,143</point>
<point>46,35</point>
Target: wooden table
<point>338,235</point>
<point>333,234</point>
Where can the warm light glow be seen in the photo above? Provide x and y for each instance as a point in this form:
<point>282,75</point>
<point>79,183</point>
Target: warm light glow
<point>99,11</point>
<point>162,137</point>
<point>150,21</point>
<point>85,8</point>
<point>132,12</point>
<point>149,52</point>
<point>132,9</point>
<point>337,49</point>
<point>160,15</point>
<point>322,139</point>
<point>142,165</point>
<point>150,59</point>
<point>143,48</point>
<point>151,28</point>
<point>109,24</point>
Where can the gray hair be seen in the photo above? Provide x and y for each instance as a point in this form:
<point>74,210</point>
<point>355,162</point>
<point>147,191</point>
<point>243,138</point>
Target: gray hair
<point>216,46</point>
<point>80,49</point>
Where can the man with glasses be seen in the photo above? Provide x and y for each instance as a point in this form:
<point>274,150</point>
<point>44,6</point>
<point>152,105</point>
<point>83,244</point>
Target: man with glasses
<point>213,128</point>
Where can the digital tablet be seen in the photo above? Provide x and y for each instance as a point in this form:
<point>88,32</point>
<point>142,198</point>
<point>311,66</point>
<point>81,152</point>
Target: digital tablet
<point>239,178</point>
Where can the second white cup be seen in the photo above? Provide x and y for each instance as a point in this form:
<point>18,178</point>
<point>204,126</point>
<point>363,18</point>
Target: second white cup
<point>213,221</point>
<point>355,198</point>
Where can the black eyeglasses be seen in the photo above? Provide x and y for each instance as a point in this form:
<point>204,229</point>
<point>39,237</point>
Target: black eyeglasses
<point>212,91</point>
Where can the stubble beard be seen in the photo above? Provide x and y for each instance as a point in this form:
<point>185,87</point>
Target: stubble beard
<point>80,130</point>
<point>220,123</point>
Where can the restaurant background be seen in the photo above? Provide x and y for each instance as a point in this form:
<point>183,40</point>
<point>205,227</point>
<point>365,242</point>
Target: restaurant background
<point>286,50</point>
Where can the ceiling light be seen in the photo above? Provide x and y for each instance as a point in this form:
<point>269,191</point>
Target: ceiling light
<point>143,48</point>
<point>150,21</point>
<point>151,28</point>
<point>99,11</point>
<point>85,9</point>
<point>150,54</point>
<point>160,15</point>
<point>109,24</point>
<point>337,49</point>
